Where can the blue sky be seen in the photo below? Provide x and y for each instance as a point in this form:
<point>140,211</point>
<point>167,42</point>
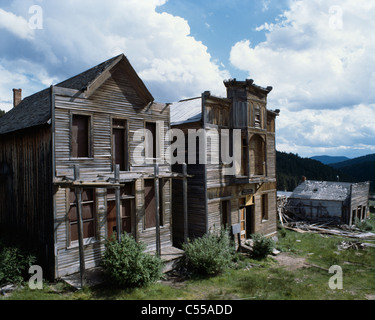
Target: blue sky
<point>219,24</point>
<point>319,56</point>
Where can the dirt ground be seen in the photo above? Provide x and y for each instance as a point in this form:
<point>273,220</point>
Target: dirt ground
<point>291,262</point>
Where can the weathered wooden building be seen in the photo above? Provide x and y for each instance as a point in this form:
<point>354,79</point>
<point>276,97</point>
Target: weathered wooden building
<point>245,198</point>
<point>66,142</point>
<point>337,202</point>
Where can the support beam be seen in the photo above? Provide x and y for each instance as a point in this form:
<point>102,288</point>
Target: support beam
<point>184,195</point>
<point>118,204</point>
<point>157,204</point>
<point>78,192</point>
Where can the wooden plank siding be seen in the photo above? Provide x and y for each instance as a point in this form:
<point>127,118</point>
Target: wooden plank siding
<point>26,188</point>
<point>210,192</point>
<point>116,98</point>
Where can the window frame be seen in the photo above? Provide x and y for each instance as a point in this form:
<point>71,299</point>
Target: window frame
<point>69,205</point>
<point>90,137</point>
<point>126,140</point>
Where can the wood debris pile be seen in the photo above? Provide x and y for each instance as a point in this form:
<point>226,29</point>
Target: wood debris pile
<point>294,223</point>
<point>344,245</point>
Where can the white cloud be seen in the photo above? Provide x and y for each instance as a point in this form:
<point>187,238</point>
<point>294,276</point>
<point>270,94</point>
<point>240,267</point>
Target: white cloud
<point>17,25</point>
<point>318,56</point>
<point>77,35</point>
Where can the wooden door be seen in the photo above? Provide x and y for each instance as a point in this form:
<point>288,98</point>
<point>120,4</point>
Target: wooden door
<point>243,223</point>
<point>150,204</point>
<point>119,148</point>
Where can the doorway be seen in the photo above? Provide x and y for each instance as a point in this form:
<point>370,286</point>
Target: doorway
<point>247,219</point>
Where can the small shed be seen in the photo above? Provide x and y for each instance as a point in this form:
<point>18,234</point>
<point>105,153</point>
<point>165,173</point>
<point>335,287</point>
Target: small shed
<point>338,202</point>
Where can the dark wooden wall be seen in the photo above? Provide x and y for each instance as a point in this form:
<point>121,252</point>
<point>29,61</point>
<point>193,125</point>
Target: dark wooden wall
<point>26,190</point>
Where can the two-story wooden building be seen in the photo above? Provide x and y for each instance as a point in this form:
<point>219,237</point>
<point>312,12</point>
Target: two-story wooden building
<point>66,142</point>
<point>218,196</point>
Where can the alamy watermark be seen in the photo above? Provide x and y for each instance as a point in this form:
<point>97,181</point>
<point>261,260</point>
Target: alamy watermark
<point>336,21</point>
<point>204,146</point>
<point>336,281</point>
<point>36,280</point>
<point>36,19</point>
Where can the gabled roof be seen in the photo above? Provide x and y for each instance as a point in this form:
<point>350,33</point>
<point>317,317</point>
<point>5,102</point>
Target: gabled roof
<point>186,111</point>
<point>35,110</point>
<point>322,190</point>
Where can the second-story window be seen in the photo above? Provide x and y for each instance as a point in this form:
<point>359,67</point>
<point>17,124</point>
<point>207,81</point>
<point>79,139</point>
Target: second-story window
<point>120,144</point>
<point>80,144</point>
<point>151,140</point>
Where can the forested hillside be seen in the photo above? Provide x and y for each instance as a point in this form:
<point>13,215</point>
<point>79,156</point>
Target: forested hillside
<point>1,113</point>
<point>291,168</point>
<point>329,159</point>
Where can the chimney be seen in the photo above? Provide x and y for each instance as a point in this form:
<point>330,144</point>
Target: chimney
<point>17,97</point>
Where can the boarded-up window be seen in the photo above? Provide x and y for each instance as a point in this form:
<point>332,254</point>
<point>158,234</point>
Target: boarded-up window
<point>88,214</point>
<point>80,144</point>
<point>120,144</point>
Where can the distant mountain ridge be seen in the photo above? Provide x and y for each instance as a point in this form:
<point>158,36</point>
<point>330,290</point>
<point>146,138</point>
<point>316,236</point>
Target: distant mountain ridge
<point>330,159</point>
<point>291,168</point>
<point>355,161</point>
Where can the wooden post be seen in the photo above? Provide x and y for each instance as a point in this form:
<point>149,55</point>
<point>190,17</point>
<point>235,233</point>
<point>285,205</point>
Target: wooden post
<point>157,204</point>
<point>184,195</point>
<point>118,204</point>
<point>78,192</point>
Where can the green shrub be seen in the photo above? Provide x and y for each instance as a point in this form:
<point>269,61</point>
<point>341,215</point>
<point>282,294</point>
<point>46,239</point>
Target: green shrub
<point>364,225</point>
<point>14,264</point>
<point>210,254</point>
<point>126,264</point>
<point>262,246</point>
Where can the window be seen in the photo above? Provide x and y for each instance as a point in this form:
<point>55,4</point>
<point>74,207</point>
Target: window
<point>244,158</point>
<point>80,144</point>
<point>257,156</point>
<point>150,203</point>
<point>120,144</point>
<point>151,139</point>
<point>264,207</point>
<point>88,214</point>
<point>225,213</point>
<point>126,209</point>
<point>257,117</point>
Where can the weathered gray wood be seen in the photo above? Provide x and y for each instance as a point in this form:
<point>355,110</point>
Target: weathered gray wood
<point>78,192</point>
<point>157,211</point>
<point>118,205</point>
